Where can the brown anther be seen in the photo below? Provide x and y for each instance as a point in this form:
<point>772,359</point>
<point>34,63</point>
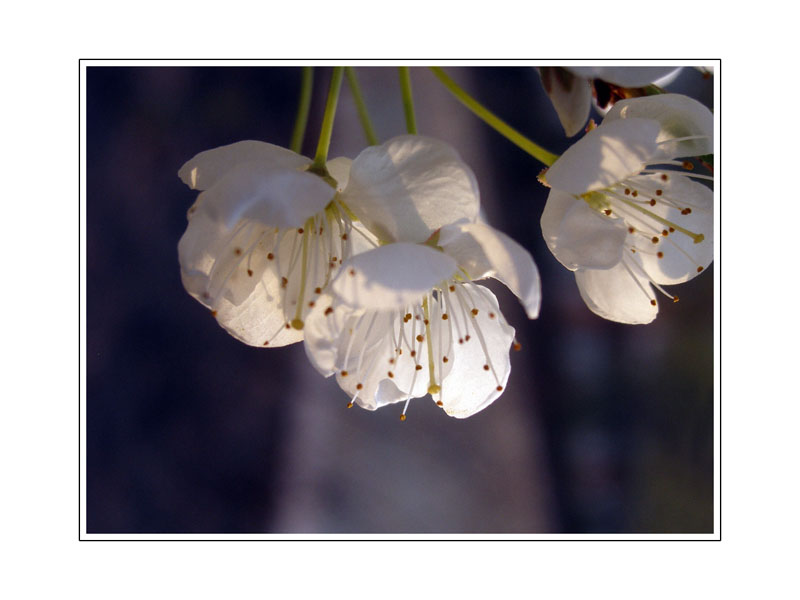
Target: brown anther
<point>517,346</point>
<point>237,251</point>
<point>634,193</point>
<point>427,322</point>
<point>686,211</point>
<point>352,272</point>
<point>249,272</point>
<point>444,317</point>
<point>652,201</point>
<point>420,338</point>
<point>333,259</point>
<point>631,230</point>
<point>664,177</point>
<point>213,313</point>
<point>664,232</point>
<point>485,367</point>
<point>417,317</point>
<point>413,353</point>
<point>627,191</point>
<point>699,269</point>
<point>349,405</point>
<point>399,350</point>
<point>344,373</point>
<point>284,282</point>
<point>672,230</point>
<point>460,340</point>
<point>445,359</point>
<point>688,166</point>
<point>439,403</point>
<point>499,388</point>
<point>407,317</point>
<point>633,250</point>
<point>653,302</point>
<point>466,338</point>
<point>659,192</point>
<point>675,299</point>
<point>359,386</point>
<point>474,312</point>
<point>391,361</point>
<point>452,288</point>
<point>266,343</point>
<point>491,315</point>
<point>654,240</point>
<point>344,236</point>
<point>300,230</point>
<point>402,417</point>
<point>317,290</point>
<point>660,255</point>
<point>607,212</point>
<point>390,374</point>
<point>328,310</point>
<point>418,367</point>
<point>288,326</point>
<point>311,304</point>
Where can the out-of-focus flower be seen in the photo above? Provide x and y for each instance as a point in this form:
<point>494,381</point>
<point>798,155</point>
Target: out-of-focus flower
<point>622,216</point>
<point>405,320</point>
<point>267,234</point>
<point>570,88</point>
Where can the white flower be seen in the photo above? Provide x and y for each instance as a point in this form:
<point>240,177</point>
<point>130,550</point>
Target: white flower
<point>405,320</point>
<point>570,88</point>
<point>267,234</point>
<point>619,219</point>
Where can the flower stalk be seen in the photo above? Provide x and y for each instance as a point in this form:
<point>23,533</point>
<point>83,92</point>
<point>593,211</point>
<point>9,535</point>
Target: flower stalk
<point>327,121</point>
<point>361,107</point>
<point>408,100</point>
<point>515,137</point>
<point>303,107</point>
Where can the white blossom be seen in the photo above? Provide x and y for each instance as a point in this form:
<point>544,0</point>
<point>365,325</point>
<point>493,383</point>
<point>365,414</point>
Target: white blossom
<point>624,215</point>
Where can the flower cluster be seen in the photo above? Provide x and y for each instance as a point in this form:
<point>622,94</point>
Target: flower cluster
<point>374,263</point>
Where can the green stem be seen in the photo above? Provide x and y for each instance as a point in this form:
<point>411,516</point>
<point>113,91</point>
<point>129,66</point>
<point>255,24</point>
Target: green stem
<point>503,128</point>
<point>363,116</point>
<point>327,121</point>
<point>408,100</point>
<point>303,106</point>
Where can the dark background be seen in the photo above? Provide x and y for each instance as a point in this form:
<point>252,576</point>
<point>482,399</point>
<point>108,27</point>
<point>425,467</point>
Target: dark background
<point>603,428</point>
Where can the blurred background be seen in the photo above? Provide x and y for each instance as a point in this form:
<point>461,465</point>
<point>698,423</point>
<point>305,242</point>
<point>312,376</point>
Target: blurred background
<point>603,428</point>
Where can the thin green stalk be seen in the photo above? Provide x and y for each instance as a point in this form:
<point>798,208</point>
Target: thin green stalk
<point>327,121</point>
<point>303,106</point>
<point>363,116</point>
<point>408,100</point>
<point>503,128</point>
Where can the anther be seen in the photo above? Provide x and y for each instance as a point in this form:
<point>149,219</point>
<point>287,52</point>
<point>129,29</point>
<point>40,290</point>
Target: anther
<point>266,343</point>
<point>675,299</point>
<point>688,166</point>
<point>418,368</point>
<point>328,310</point>
<point>311,304</point>
<point>427,322</point>
<point>360,386</point>
<point>317,290</point>
<point>654,240</point>
<point>344,236</point>
<point>672,230</point>
<point>413,353</point>
<point>284,282</point>
<point>352,272</point>
<point>390,374</point>
<point>631,230</point>
<point>491,315</point>
<point>420,338</point>
<point>474,313</point>
<point>298,324</point>
<point>213,313</point>
<point>249,272</point>
<point>485,367</point>
<point>344,373</point>
<point>607,212</point>
<point>659,192</point>
<point>634,193</point>
<point>660,255</point>
<point>452,288</point>
<point>402,417</point>
<point>460,340</point>
<point>699,269</point>
<point>653,302</point>
<point>499,388</point>
<point>664,177</point>
<point>652,201</point>
<point>444,317</point>
<point>445,359</point>
<point>466,338</point>
<point>270,256</point>
<point>237,251</point>
<point>686,211</point>
<point>288,326</point>
<point>665,233</point>
<point>349,405</point>
<point>391,361</point>
<point>439,403</point>
<point>300,230</point>
<point>517,346</point>
<point>627,191</point>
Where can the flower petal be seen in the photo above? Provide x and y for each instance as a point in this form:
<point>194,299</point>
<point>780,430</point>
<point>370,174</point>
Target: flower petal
<point>675,257</point>
<point>604,156</point>
<point>622,293</point>
<point>392,276</point>
<point>679,117</point>
<point>409,187</point>
<point>580,237</point>
<point>205,169</point>
<point>339,168</point>
<point>571,97</point>
<point>625,76</point>
<point>483,251</point>
<point>274,197</point>
<point>471,386</point>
